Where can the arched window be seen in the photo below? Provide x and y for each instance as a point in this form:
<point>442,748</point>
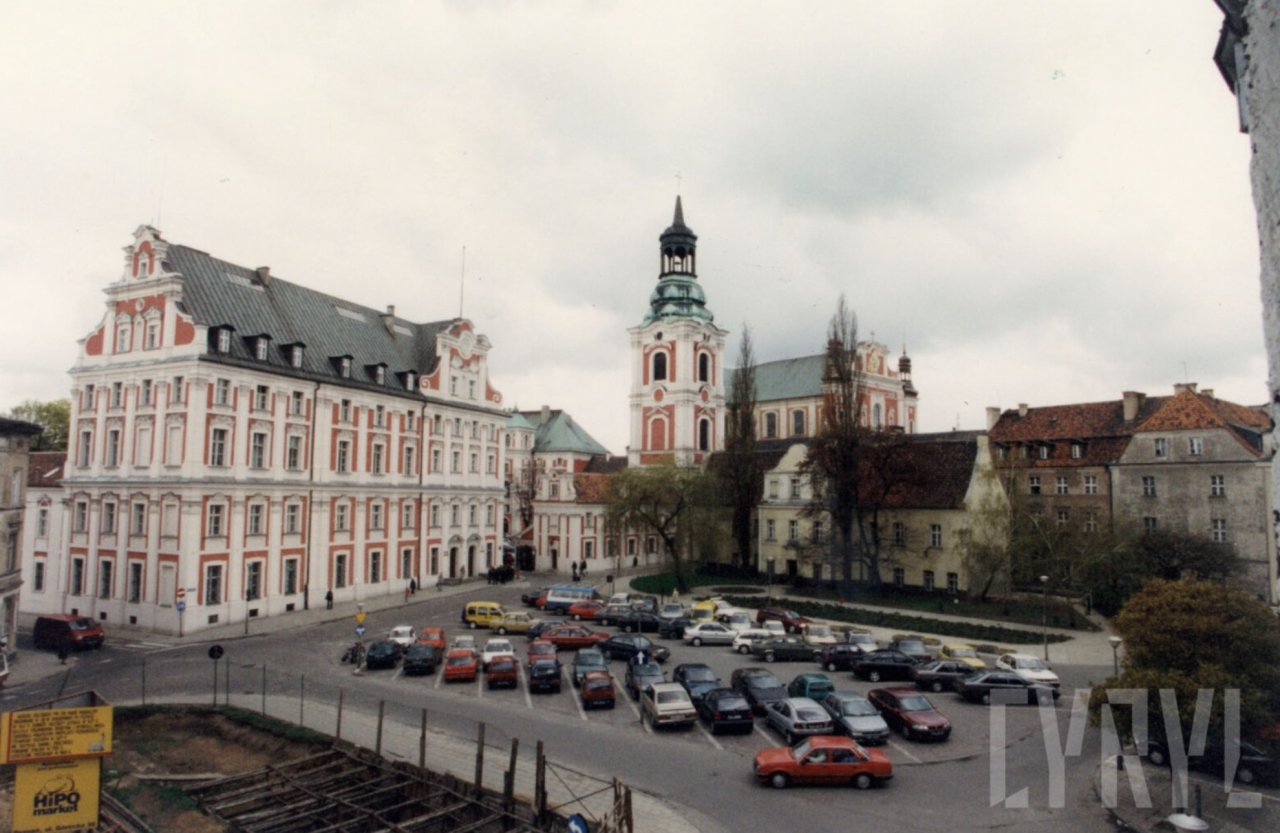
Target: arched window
<point>704,435</point>
<point>659,366</point>
<point>657,435</point>
<point>875,416</point>
<point>704,368</point>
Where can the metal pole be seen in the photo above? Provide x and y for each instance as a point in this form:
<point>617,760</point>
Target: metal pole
<point>382,707</point>
<point>264,689</point>
<point>1044,614</point>
<point>226,683</point>
<point>215,684</point>
<point>338,732</point>
<point>422,742</point>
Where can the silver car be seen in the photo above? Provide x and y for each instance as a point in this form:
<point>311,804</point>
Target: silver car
<point>797,717</point>
<point>853,715</point>
<point>708,633</point>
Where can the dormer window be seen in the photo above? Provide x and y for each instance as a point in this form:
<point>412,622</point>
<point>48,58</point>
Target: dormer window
<point>344,367</point>
<point>1077,451</point>
<point>380,374</point>
<point>295,356</point>
<point>224,340</point>
<point>260,346</point>
<point>1043,452</point>
<point>410,381</point>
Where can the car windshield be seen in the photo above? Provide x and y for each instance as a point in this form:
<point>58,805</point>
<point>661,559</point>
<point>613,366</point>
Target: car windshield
<point>819,686</point>
<point>861,637</point>
<point>463,660</point>
<point>590,658</point>
<point>763,679</point>
<point>731,702</point>
<point>1031,664</point>
<point>819,630</point>
<point>499,647</point>
<point>801,749</point>
<point>543,669</point>
<point>701,675</point>
<point>649,669</point>
<point>963,653</point>
<point>910,645</point>
<point>501,665</point>
<point>916,704</point>
<point>81,624</point>
<point>598,685</point>
<point>672,697</point>
<point>858,708</point>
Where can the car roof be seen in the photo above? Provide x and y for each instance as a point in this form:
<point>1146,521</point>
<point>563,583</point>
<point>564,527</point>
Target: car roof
<point>802,702</point>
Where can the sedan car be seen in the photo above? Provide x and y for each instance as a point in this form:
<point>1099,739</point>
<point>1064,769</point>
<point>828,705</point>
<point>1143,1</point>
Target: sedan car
<point>627,646</point>
<point>421,659</point>
<point>541,649</point>
<point>940,674</point>
<point>735,620</point>
<point>638,621</point>
<point>674,628</point>
<point>642,675</point>
<point>911,713</point>
<point>461,664</point>
<point>541,626</point>
<point>585,609</point>
<point>708,633</point>
<point>586,660</point>
<point>822,760</point>
<point>790,620</point>
<point>671,610</point>
<point>402,635</point>
<point>785,648</point>
<point>667,704</point>
<point>495,648</point>
<point>862,640</point>
<point>813,686</point>
<point>501,671</point>
<point>1004,687</point>
<point>612,613</point>
<point>962,652</point>
<point>743,640</point>
<point>797,717</point>
<point>1029,668</point>
<point>384,654</point>
<point>912,647</point>
<point>598,690</point>
<point>883,665</point>
<point>573,636</point>
<point>840,656</point>
<point>544,675</point>
<point>726,710</point>
<point>758,685</point>
<point>697,679</point>
<point>515,621</point>
<point>855,716</point>
<point>816,634</point>
<point>433,637</point>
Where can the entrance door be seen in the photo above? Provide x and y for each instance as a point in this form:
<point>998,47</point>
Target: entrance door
<point>555,557</point>
<point>471,560</point>
<point>453,562</point>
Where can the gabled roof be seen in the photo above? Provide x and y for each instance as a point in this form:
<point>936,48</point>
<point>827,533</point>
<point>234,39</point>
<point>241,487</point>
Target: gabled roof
<point>921,472</point>
<point>561,433</point>
<point>517,422</point>
<point>221,294</point>
<point>45,470</point>
<point>786,378</point>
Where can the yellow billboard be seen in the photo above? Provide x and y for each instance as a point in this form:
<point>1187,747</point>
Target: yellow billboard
<point>55,734</point>
<point>56,796</point>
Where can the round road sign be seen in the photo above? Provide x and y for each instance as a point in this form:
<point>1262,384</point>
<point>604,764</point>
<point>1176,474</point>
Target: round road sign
<point>180,593</point>
<point>577,824</point>
<point>215,652</point>
<point>180,605</point>
<point>359,630</point>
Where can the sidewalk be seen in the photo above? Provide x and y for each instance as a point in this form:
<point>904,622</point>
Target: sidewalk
<point>1116,793</point>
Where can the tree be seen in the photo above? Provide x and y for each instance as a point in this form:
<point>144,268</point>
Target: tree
<point>739,469</point>
<point>54,417</point>
<point>525,488</point>
<point>679,505</point>
<point>1190,635</point>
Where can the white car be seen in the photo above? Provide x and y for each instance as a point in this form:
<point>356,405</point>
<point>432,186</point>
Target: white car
<point>743,639</point>
<point>402,635</point>
<point>773,626</point>
<point>1028,667</point>
<point>708,633</point>
<point>496,648</point>
<point>864,640</point>
<point>667,704</point>
<point>818,634</point>
<point>738,620</point>
<point>671,610</point>
<point>466,642</point>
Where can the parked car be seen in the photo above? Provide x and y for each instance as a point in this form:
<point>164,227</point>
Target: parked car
<point>638,621</point>
<point>541,626</point>
<point>862,640</point>
<point>667,704</point>
<point>773,626</point>
<point>962,652</point>
<point>708,633</point>
<point>735,620</point>
<point>481,614</point>
<point>704,611</point>
<point>786,649</point>
<point>612,613</point>
<point>541,649</point>
<point>586,660</point>
<point>626,646</point>
<point>911,713</point>
<point>641,675</point>
<point>840,656</point>
<point>597,690</point>
<point>645,604</point>
<point>697,679</point>
<point>495,648</point>
<point>530,599</point>
<point>66,632</point>
<point>461,664</point>
<point>501,671</point>
<point>854,715</point>
<point>758,685</point>
<point>573,636</point>
<point>912,647</point>
<point>382,654</point>
<point>433,637</point>
<point>466,641</point>
<point>515,621</point>
<point>402,635</point>
<point>813,686</point>
<point>818,634</point>
<point>743,640</point>
<point>791,621</point>
<point>421,659</point>
<point>671,610</point>
<point>822,760</point>
<point>797,717</point>
<point>1029,668</point>
<point>883,665</point>
<point>940,674</point>
<point>1259,761</point>
<point>585,609</point>
<point>674,628</point>
<point>1004,687</point>
<point>725,710</point>
<point>544,675</point>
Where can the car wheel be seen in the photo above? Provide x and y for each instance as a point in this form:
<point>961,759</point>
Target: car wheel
<point>986,699</point>
<point>873,676</point>
<point>768,656</point>
<point>936,687</point>
<point>1156,756</point>
<point>1246,775</point>
<point>779,781</point>
<point>502,631</point>
<point>697,643</point>
<point>862,781</point>
<point>831,666</point>
<point>744,649</point>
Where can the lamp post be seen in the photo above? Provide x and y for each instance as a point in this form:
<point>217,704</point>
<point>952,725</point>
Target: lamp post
<point>1044,615</point>
<point>1115,653</point>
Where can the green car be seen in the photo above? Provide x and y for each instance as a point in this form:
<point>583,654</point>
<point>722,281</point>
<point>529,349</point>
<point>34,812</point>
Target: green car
<point>788,648</point>
<point>814,686</point>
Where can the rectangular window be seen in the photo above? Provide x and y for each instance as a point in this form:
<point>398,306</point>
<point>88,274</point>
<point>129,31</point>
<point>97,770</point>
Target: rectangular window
<point>138,519</point>
<point>222,392</point>
<point>340,518</point>
<point>76,587</point>
<point>117,394</point>
<point>142,448</point>
<point>488,517</point>
<point>1090,484</point>
<point>1149,524</point>
<point>409,452</point>
<point>406,515</point>
<point>770,426</point>
<point>471,515</point>
<point>491,465</point>
<point>1043,452</point>
<point>457,461</point>
<point>146,392</point>
<point>80,523</point>
<point>935,536</point>
<point>256,513</point>
<point>37,575</point>
<point>899,577</point>
<point>113,448</point>
<point>42,522</point>
<point>793,530</point>
<point>153,336</point>
<point>85,452</point>
<point>1090,521</point>
<point>1077,451</point>
<point>471,388</point>
<point>797,423</point>
<point>899,534</point>
<point>340,570</point>
<point>258,451</point>
<point>375,567</point>
<point>292,514</point>
<point>1148,486</point>
<point>106,578</point>
<point>214,526</point>
<point>295,403</point>
<point>253,580</point>
<point>435,460</point>
<point>213,584</point>
<point>435,515</point>
<point>295,355</point>
<point>376,460</point>
<point>795,488</point>
<point>406,562</point>
<point>379,414</point>
<point>1197,446</point>
<point>435,560</point>
<point>108,519</point>
<point>375,515</point>
<point>224,340</point>
<point>928,579</point>
<point>290,576</point>
<point>1220,530</point>
<point>953,583</point>
<point>293,457</point>
<point>769,531</point>
<point>1217,485</point>
<point>773,488</point>
<point>1060,486</point>
<point>344,411</point>
<point>260,397</point>
<point>135,581</point>
<point>475,463</point>
<point>344,455</point>
<point>819,532</point>
<point>218,447</point>
<point>173,446</point>
<point>1161,447</point>
<point>1064,517</point>
<point>1033,482</point>
<point>175,390</point>
<point>88,397</point>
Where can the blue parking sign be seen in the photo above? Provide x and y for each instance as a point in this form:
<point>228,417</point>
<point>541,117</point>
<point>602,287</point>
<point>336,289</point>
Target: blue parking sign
<point>359,630</point>
<point>577,824</point>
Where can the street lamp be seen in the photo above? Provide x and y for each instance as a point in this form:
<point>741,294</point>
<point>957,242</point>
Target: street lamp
<point>1044,615</point>
<point>1115,653</point>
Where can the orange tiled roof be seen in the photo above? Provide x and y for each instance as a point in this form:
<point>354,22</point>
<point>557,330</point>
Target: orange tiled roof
<point>45,469</point>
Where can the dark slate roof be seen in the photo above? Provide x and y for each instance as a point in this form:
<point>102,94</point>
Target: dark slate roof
<point>561,433</point>
<point>45,471</point>
<point>921,472</point>
<point>9,427</point>
<point>220,294</point>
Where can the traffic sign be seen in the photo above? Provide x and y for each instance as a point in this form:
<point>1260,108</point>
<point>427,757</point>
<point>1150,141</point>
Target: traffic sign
<point>359,630</point>
<point>215,652</point>
<point>577,824</point>
<point>180,593</point>
<point>360,617</point>
<point>180,605</point>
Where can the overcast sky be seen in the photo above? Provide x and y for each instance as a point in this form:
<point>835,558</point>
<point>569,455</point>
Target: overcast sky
<point>1046,202</point>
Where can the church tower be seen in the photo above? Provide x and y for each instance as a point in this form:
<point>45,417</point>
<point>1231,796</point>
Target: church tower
<point>677,367</point>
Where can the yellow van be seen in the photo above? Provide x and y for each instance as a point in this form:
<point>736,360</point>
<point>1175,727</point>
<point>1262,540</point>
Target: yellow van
<point>704,611</point>
<point>481,614</point>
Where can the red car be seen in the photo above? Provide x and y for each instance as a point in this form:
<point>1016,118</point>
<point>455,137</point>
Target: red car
<point>911,713</point>
<point>461,664</point>
<point>433,637</point>
<point>584,610</point>
<point>823,759</point>
<point>502,672</point>
<point>573,636</point>
<point>598,690</point>
<point>791,621</point>
<point>541,649</point>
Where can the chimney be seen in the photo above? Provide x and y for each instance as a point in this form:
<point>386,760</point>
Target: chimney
<point>264,274</point>
<point>1132,404</point>
<point>388,317</point>
<point>546,414</point>
<point>993,416</point>
<point>1184,387</point>
<point>1022,409</point>
<point>1207,392</point>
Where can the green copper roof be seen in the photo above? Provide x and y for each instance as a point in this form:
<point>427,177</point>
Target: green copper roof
<point>517,422</point>
<point>786,379</point>
<point>678,296</point>
<point>561,433</point>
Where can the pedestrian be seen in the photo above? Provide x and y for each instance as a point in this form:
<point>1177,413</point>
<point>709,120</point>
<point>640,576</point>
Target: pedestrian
<point>413,586</point>
<point>582,570</point>
<point>440,582</point>
<point>328,600</point>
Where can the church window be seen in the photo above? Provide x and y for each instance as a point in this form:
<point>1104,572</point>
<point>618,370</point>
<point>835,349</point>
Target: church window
<point>704,435</point>
<point>659,366</point>
<point>770,425</point>
<point>797,423</point>
<point>704,368</point>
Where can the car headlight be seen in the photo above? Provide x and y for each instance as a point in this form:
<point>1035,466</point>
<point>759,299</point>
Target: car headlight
<point>919,727</point>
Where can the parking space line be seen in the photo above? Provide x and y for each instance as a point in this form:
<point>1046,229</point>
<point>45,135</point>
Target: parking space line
<point>764,733</point>
<point>399,673</point>
<point>480,678</point>
<point>528,698</point>
<point>440,676</point>
<point>626,695</point>
<point>577,701</point>
<point>903,750</point>
<point>708,735</point>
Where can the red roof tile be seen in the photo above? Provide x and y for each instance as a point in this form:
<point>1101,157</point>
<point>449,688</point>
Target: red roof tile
<point>46,469</point>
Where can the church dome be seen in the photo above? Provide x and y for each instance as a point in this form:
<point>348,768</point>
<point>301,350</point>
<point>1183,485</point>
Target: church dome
<point>678,296</point>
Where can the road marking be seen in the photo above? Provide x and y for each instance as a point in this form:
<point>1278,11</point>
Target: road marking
<point>708,735</point>
<point>399,673</point>
<point>626,695</point>
<point>440,676</point>
<point>764,734</point>
<point>480,678</point>
<point>903,750</point>
<point>528,698</point>
<point>577,701</point>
